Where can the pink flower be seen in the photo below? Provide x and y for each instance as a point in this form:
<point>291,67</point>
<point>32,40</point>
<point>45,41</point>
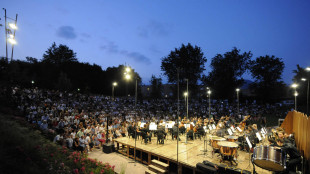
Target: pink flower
<point>102,171</point>
<point>75,160</point>
<point>91,172</point>
<point>52,154</point>
<point>76,171</point>
<point>83,169</point>
<point>113,167</point>
<point>62,164</point>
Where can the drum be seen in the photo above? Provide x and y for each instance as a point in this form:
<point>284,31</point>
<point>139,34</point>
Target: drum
<point>269,158</point>
<point>231,138</point>
<point>215,140</point>
<point>228,148</point>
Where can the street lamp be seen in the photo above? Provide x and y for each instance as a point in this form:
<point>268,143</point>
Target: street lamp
<point>186,95</point>
<point>128,77</point>
<point>113,85</point>
<point>209,94</point>
<point>237,90</point>
<point>294,85</point>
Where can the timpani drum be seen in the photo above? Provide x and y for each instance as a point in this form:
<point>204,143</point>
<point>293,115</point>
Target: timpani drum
<point>228,148</point>
<point>231,138</point>
<point>215,140</point>
<point>269,158</point>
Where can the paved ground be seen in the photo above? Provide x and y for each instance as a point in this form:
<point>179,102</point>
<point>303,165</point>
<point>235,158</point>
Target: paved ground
<point>120,162</point>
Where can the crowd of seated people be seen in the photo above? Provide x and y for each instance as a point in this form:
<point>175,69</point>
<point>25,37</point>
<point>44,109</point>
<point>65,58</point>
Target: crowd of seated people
<point>79,121</point>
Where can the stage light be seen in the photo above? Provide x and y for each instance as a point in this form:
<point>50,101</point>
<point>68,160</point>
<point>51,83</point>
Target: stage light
<point>308,69</point>
<point>303,79</point>
<point>114,84</point>
<point>295,94</point>
<point>209,91</point>
<point>237,89</point>
<point>185,94</point>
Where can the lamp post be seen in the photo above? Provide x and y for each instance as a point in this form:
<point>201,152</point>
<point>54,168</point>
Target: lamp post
<point>209,94</point>
<point>113,85</point>
<point>8,30</point>
<point>294,85</point>
<point>186,96</point>
<point>237,90</point>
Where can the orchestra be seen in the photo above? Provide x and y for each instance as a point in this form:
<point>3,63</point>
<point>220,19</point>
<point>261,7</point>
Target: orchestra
<point>226,136</point>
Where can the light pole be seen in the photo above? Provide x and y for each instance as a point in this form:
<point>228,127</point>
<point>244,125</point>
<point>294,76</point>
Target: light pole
<point>209,94</point>
<point>113,85</point>
<point>237,90</point>
<point>11,39</point>
<point>186,97</point>
<point>294,85</point>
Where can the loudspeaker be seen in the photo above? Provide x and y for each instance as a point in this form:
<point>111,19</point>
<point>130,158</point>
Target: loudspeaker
<point>108,148</point>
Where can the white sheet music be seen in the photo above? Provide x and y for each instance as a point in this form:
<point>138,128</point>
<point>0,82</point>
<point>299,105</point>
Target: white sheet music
<point>232,128</point>
<point>213,126</point>
<point>258,136</point>
<point>239,129</point>
<point>248,141</point>
<point>142,124</point>
<point>153,127</point>
<point>229,131</point>
<point>210,127</point>
<point>186,125</point>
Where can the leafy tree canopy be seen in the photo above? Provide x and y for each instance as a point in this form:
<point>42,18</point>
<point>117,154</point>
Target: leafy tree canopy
<point>267,72</point>
<point>59,54</point>
<point>227,71</point>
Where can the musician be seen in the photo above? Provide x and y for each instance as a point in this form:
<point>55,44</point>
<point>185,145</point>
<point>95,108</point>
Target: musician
<point>175,131</point>
<point>190,132</point>
<point>161,134</point>
<point>146,132</point>
<point>294,155</point>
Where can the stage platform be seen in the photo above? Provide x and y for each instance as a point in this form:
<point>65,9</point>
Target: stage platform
<point>189,155</point>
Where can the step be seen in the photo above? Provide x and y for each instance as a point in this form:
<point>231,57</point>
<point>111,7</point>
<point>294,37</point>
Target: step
<point>156,169</point>
<point>149,172</point>
<point>160,164</point>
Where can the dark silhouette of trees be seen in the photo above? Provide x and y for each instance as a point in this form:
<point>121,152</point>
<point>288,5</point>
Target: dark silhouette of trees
<point>189,61</point>
<point>267,72</point>
<point>59,54</point>
<point>156,85</point>
<point>226,74</point>
<point>301,73</point>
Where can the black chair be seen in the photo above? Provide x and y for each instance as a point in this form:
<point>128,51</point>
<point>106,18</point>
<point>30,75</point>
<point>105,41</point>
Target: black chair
<point>160,138</point>
<point>190,134</point>
<point>144,137</point>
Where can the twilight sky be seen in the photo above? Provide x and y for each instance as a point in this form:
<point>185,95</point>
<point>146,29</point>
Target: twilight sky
<point>141,32</point>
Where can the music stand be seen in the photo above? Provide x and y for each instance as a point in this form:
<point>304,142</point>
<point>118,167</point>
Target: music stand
<point>250,147</point>
<point>205,146</point>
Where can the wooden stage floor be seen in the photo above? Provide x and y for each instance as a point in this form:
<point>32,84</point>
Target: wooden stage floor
<point>189,154</point>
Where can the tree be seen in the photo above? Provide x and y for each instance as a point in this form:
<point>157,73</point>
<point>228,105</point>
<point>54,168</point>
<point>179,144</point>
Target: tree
<point>267,72</point>
<point>189,61</point>
<point>156,84</point>
<point>32,60</point>
<point>226,74</point>
<point>59,55</point>
<point>301,73</point>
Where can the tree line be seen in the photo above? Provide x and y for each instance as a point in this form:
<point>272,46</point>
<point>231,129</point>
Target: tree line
<point>59,69</point>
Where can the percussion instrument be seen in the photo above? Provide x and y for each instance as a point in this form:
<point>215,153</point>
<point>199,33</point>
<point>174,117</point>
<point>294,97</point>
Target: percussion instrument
<point>231,138</point>
<point>228,148</point>
<point>269,158</point>
<point>215,140</point>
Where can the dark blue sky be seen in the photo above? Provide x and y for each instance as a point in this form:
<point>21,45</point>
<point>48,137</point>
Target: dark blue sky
<point>140,33</point>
